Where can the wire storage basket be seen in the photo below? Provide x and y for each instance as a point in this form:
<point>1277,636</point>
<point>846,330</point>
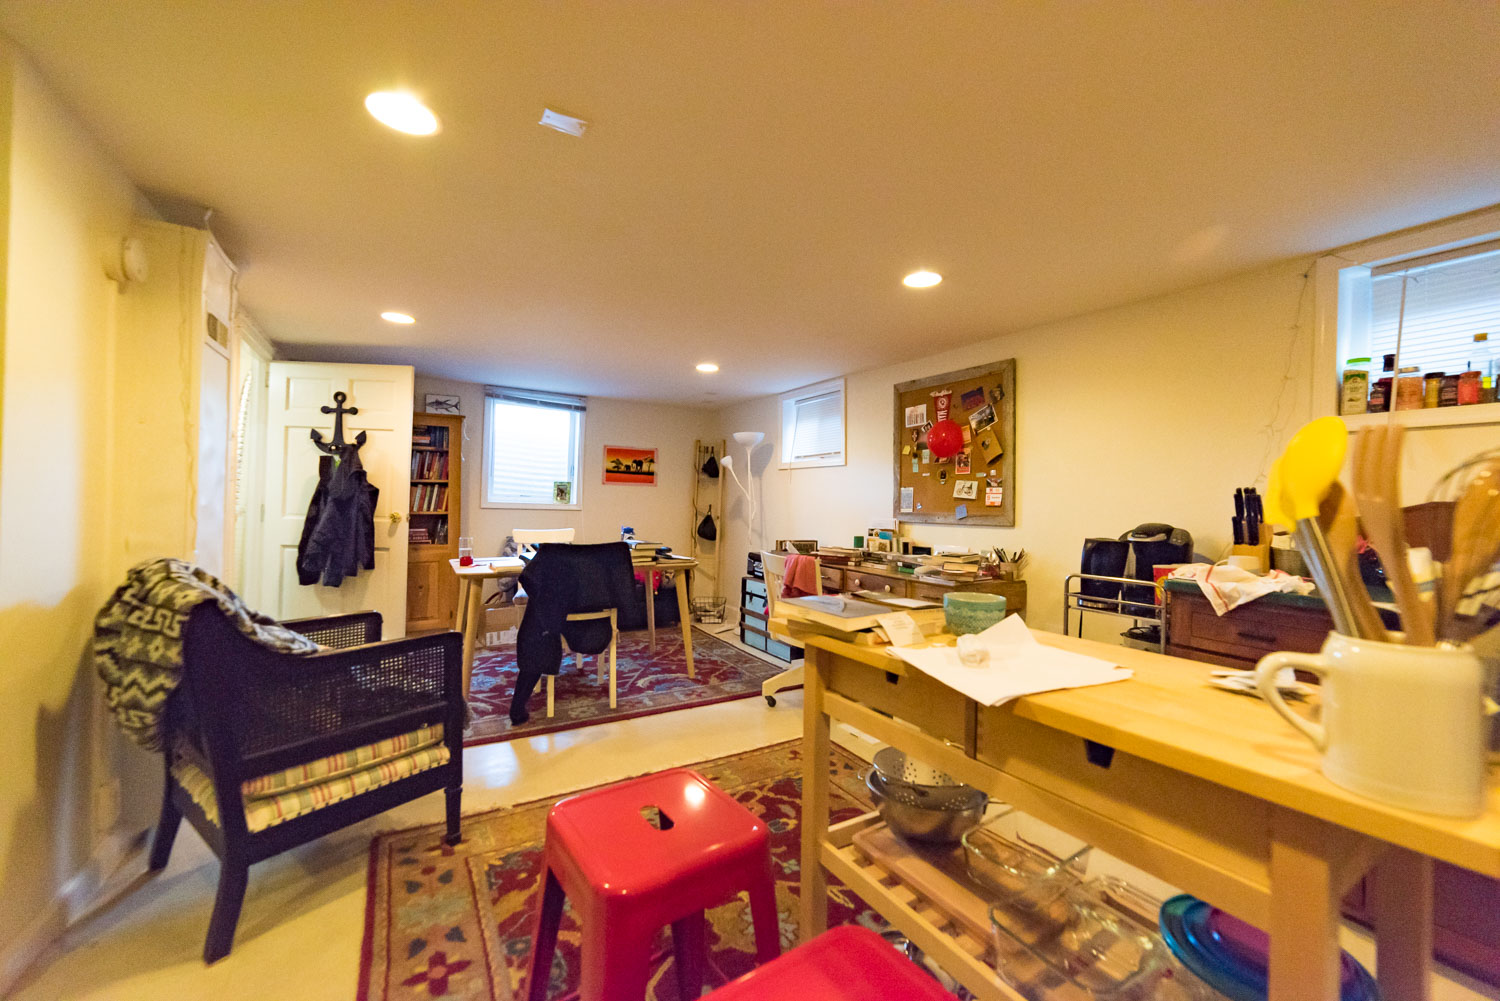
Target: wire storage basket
<point>708,609</point>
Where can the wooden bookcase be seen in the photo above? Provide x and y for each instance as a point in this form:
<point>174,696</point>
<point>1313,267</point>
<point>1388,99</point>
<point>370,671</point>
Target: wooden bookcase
<point>434,522</point>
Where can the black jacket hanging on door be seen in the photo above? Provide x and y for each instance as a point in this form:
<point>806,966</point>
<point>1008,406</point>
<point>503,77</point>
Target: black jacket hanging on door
<point>338,537</point>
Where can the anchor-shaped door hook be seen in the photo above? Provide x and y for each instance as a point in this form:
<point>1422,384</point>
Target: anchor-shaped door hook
<point>338,445</point>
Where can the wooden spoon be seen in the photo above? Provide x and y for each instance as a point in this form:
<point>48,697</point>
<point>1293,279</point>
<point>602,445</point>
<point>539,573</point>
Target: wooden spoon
<point>1377,489</point>
<point>1337,517</point>
<point>1475,541</point>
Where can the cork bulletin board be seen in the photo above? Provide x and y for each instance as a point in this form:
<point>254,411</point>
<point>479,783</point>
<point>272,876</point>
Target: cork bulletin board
<point>978,485</point>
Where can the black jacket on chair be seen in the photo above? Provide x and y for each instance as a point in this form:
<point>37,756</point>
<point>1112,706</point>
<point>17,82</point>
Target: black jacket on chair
<point>561,579</point>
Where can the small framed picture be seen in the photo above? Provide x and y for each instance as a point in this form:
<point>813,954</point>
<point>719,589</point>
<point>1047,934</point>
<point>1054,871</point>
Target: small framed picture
<point>439,403</point>
<point>562,491</point>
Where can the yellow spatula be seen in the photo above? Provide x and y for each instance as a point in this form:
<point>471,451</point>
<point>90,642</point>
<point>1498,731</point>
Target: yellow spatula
<point>1299,481</point>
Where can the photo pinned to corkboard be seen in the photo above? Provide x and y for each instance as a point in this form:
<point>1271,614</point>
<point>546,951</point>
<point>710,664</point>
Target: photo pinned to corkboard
<point>954,440</point>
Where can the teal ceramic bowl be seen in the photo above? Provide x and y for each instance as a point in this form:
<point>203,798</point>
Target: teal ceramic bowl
<point>972,612</point>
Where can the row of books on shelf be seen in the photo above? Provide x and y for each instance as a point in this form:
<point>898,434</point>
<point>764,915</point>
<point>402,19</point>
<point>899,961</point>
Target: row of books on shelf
<point>429,465</point>
<point>429,498</point>
<point>423,536</point>
<point>429,436</point>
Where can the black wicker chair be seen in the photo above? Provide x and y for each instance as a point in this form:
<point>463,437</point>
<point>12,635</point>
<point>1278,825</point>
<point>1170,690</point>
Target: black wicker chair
<point>243,711</point>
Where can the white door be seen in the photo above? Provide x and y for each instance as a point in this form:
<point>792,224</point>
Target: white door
<point>383,396</point>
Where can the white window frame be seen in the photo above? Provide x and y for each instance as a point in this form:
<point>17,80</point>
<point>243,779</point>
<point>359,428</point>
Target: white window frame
<point>488,463</point>
<point>1450,234</point>
<point>789,403</point>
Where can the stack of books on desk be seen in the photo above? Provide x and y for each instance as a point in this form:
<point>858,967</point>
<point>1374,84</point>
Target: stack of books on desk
<point>849,619</point>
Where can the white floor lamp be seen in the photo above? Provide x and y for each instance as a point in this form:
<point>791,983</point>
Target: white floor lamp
<point>749,439</point>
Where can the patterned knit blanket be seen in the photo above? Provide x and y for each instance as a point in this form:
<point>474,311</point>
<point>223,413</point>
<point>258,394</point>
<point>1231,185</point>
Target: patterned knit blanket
<point>138,639</point>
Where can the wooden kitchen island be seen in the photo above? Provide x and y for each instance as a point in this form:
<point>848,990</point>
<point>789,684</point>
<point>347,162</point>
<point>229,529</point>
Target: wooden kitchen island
<point>1209,791</point>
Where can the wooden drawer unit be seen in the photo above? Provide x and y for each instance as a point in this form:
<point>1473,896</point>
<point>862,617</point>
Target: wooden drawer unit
<point>1243,635</point>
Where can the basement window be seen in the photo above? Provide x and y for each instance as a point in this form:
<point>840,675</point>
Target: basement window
<point>812,426</point>
<point>1431,298</point>
<point>533,445</point>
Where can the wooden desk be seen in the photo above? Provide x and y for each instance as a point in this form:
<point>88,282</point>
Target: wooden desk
<point>905,585</point>
<point>471,604</point>
<point>1212,793</point>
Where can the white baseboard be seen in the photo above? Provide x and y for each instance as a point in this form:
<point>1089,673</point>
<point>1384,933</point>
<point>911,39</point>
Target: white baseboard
<point>77,898</point>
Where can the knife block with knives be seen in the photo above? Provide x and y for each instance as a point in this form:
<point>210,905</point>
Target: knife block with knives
<point>1252,533</point>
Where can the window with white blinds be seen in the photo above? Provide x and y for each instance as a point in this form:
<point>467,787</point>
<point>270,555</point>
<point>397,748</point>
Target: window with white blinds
<point>532,448</point>
<point>1448,301</point>
<point>812,426</point>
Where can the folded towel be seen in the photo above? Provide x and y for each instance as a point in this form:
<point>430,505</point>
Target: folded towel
<point>801,577</point>
<point>1228,587</point>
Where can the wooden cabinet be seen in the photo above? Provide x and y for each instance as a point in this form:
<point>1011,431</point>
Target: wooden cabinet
<point>435,521</point>
<point>1244,635</point>
<point>1466,905</point>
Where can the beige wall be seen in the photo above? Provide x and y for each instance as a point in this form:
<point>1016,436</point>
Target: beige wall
<point>660,513</point>
<point>66,207</point>
<point>1153,411</point>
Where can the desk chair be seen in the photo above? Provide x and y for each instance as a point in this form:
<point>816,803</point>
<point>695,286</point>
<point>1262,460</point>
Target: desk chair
<point>774,566</point>
<point>527,539</point>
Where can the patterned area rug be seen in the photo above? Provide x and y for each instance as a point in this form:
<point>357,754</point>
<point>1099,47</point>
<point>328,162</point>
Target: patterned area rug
<point>646,683</point>
<point>457,922</point>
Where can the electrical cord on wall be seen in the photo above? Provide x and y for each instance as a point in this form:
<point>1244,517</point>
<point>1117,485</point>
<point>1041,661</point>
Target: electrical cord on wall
<point>1275,426</point>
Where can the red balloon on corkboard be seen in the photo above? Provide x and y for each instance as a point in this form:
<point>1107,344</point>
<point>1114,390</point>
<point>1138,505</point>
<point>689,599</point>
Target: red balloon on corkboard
<point>946,439</point>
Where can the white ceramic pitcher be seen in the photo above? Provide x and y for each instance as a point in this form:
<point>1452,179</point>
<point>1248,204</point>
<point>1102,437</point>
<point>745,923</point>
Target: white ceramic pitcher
<point>1404,725</point>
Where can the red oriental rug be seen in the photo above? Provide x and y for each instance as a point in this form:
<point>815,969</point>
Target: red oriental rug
<point>457,922</point>
<point>645,683</point>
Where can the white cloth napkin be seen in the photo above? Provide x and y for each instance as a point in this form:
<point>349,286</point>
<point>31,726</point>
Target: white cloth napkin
<point>1015,665</point>
<point>1228,587</point>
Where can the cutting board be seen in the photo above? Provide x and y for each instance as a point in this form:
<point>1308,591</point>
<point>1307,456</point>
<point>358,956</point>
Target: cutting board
<point>938,875</point>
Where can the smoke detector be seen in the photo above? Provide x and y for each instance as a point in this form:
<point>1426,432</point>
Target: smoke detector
<point>566,124</point>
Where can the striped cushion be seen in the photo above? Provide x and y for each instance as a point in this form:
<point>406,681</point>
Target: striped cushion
<point>272,808</point>
<point>335,765</point>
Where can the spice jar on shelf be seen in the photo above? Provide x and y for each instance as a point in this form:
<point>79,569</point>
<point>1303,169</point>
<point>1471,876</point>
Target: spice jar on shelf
<point>1432,389</point>
<point>1409,389</point>
<point>1356,386</point>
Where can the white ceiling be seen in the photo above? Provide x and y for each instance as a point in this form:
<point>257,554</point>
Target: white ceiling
<point>759,176</point>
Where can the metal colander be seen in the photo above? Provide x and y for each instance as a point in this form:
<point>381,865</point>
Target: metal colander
<point>894,765</point>
<point>940,798</point>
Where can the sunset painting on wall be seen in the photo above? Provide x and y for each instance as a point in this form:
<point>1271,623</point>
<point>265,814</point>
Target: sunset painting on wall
<point>630,465</point>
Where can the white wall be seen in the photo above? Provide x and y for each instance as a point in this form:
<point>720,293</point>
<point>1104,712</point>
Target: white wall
<point>67,206</point>
<point>662,513</point>
<point>1153,411</point>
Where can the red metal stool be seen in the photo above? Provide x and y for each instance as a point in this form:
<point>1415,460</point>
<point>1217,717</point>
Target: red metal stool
<point>847,963</point>
<point>653,851</point>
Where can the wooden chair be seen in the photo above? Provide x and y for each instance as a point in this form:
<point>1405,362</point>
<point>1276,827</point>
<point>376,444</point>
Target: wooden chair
<point>774,566</point>
<point>527,539</point>
<point>266,751</point>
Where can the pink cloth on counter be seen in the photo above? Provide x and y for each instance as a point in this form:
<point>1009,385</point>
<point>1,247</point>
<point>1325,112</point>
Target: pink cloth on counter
<point>801,577</point>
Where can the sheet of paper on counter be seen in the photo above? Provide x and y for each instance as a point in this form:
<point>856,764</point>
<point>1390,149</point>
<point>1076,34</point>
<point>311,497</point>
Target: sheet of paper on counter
<point>1018,665</point>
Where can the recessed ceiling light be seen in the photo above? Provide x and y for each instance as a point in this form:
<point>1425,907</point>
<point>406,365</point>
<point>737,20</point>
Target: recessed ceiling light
<point>394,317</point>
<point>921,279</point>
<point>402,112</point>
<point>707,366</point>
